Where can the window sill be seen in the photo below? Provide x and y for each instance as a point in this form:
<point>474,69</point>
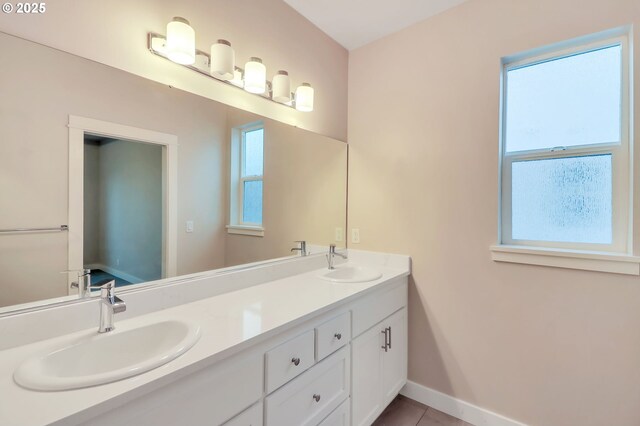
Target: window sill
<point>253,231</point>
<point>571,259</point>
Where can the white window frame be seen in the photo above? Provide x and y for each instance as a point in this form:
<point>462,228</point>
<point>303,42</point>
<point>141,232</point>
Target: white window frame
<point>238,178</point>
<point>574,255</point>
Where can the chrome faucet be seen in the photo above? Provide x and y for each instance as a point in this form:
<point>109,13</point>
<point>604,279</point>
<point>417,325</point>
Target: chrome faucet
<point>302,249</point>
<point>332,254</point>
<point>110,304</point>
<point>83,284</point>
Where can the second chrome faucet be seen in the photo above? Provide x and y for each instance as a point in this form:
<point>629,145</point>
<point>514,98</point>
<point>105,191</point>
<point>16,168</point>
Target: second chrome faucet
<point>332,254</point>
<point>302,248</point>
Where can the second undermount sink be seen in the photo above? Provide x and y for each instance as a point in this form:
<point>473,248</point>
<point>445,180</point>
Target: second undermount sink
<point>108,357</point>
<point>350,274</point>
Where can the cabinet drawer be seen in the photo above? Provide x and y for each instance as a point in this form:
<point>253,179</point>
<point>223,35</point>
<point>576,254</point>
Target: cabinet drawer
<point>339,417</point>
<point>376,307</point>
<point>249,417</point>
<point>312,396</point>
<point>332,335</point>
<point>286,361</point>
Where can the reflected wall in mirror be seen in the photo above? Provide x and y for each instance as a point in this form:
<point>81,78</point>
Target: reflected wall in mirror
<point>123,210</point>
<point>239,188</point>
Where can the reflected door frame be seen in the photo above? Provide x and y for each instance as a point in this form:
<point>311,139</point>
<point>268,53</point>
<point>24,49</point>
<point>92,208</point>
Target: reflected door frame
<point>78,126</point>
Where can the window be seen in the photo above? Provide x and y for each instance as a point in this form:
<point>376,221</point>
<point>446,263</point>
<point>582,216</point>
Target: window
<point>247,168</point>
<point>565,150</point>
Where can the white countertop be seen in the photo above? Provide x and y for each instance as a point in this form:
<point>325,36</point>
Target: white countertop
<point>229,323</point>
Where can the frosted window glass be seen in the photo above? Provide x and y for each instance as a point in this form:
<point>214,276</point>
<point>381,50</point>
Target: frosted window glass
<point>253,152</point>
<point>252,202</point>
<point>569,101</point>
<point>562,199</point>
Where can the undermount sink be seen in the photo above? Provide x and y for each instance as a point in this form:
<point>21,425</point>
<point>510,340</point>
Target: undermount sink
<point>350,274</point>
<point>108,357</point>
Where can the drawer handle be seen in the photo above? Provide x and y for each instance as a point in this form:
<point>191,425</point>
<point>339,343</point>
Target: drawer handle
<point>316,397</point>
<point>295,361</point>
<point>386,339</point>
<point>338,336</point>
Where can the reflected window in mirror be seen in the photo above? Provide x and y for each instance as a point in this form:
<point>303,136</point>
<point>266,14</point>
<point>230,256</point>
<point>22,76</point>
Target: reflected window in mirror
<point>247,170</point>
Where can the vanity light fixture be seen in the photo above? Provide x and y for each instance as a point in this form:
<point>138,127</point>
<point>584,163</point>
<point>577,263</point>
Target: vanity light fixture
<point>223,60</point>
<point>304,98</point>
<point>219,64</point>
<point>181,42</point>
<point>281,87</point>
<point>237,78</point>
<point>255,76</point>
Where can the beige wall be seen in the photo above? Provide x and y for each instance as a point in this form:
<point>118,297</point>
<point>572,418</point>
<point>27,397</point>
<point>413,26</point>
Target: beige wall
<point>34,113</point>
<point>541,345</point>
<point>114,32</point>
<point>305,192</point>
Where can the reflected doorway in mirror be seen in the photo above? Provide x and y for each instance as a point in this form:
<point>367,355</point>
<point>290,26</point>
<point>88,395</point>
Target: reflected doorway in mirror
<point>122,212</point>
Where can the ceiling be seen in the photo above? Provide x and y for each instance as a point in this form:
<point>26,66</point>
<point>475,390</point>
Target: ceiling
<point>354,23</point>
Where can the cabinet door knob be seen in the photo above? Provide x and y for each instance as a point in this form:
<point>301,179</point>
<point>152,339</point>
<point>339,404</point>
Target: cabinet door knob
<point>316,397</point>
<point>295,361</point>
<point>338,336</point>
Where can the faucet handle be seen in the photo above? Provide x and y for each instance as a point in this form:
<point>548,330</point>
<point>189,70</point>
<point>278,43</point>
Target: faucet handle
<point>106,287</point>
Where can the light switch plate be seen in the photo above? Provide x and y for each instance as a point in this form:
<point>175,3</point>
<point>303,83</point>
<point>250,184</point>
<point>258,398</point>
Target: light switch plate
<point>189,226</point>
<point>355,236</point>
<point>339,234</point>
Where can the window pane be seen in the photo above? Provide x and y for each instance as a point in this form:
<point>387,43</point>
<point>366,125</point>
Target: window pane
<point>253,152</point>
<point>570,101</point>
<point>562,199</point>
<point>252,202</point>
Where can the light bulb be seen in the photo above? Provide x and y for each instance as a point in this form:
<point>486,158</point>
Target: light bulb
<point>304,98</point>
<point>255,76</point>
<point>281,87</point>
<point>181,41</point>
<point>223,60</point>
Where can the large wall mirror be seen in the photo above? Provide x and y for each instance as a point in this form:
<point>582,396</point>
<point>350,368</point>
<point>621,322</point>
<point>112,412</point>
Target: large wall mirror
<point>149,181</point>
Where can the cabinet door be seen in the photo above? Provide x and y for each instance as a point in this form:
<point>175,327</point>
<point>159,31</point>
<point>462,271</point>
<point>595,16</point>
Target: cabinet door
<point>394,360</point>
<point>366,376</point>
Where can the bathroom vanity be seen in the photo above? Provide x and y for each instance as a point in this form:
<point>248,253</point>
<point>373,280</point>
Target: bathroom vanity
<point>308,348</point>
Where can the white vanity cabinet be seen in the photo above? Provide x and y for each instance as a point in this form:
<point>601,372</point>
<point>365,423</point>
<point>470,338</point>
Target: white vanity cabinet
<point>341,367</point>
<point>210,396</point>
<point>308,399</point>
<point>379,358</point>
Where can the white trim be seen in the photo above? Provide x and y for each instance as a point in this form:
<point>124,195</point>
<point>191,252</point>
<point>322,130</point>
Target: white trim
<point>106,128</point>
<point>571,259</point>
<point>254,231</point>
<point>455,407</point>
<point>77,128</point>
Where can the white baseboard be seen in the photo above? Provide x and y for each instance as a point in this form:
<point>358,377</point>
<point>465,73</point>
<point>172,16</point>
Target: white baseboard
<point>456,407</point>
<point>120,274</point>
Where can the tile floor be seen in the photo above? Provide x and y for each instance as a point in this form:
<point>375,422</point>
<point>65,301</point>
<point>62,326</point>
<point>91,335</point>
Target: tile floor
<point>406,412</point>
